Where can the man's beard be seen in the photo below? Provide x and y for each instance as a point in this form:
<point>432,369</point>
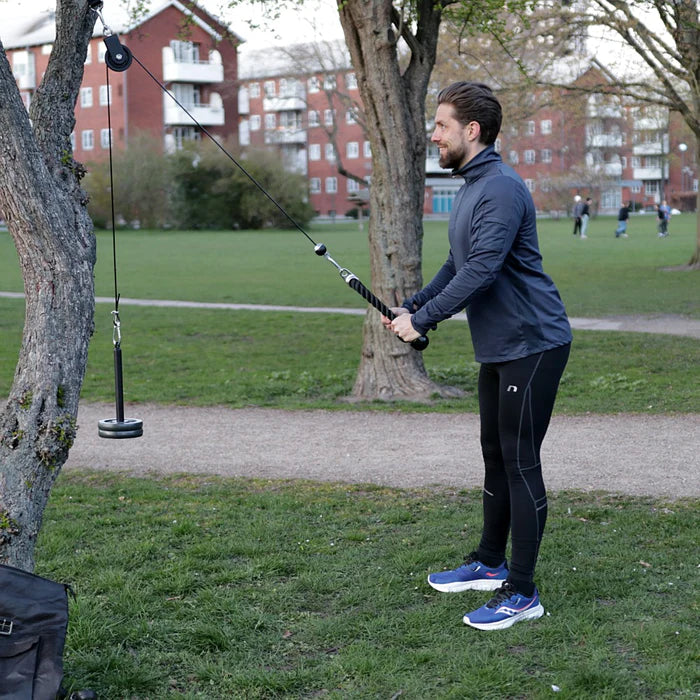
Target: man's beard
<point>451,158</point>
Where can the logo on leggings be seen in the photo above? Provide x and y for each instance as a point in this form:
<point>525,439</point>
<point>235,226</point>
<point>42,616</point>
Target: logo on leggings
<point>513,388</point>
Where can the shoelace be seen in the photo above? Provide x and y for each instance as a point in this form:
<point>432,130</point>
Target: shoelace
<point>506,591</point>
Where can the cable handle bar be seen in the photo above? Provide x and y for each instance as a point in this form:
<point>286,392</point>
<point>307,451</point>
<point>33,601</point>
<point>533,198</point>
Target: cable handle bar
<point>419,343</point>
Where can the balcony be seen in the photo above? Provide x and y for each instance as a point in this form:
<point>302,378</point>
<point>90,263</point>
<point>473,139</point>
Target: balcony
<point>175,71</point>
<point>604,140</point>
<point>211,114</point>
<point>656,173</point>
<point>287,103</point>
<point>655,148</point>
<point>285,135</point>
<point>604,112</point>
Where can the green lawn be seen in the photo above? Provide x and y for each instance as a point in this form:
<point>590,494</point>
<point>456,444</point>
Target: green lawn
<point>203,587</point>
<point>296,360</point>
<point>199,587</point>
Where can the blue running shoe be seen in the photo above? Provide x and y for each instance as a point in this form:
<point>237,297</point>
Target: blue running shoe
<point>471,576</point>
<point>505,609</point>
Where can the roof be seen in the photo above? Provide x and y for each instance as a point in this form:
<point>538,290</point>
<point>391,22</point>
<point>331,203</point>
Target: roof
<point>301,59</point>
<point>39,28</point>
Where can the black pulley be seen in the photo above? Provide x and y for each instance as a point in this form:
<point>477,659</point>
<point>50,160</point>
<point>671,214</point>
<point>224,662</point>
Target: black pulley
<point>118,57</point>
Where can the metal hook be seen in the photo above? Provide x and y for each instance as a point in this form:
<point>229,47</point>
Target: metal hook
<point>116,330</point>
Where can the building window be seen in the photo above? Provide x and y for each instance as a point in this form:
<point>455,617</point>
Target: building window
<point>353,149</point>
<point>546,126</point>
<point>331,185</point>
<point>72,141</point>
<point>546,155</point>
<point>329,82</point>
<point>315,185</point>
<point>87,139</point>
<point>351,81</point>
<point>313,118</point>
<point>185,51</point>
<point>101,51</point>
<point>330,152</point>
<point>88,55</point>
<point>105,137</point>
<point>254,90</point>
<point>530,184</point>
<point>255,122</point>
<point>313,84</point>
<point>513,156</point>
<point>105,98</point>
<point>315,151</point>
<point>497,145</point>
<point>651,187</point>
<point>529,156</point>
<point>353,185</point>
<point>350,117</point>
<point>530,131</point>
<point>86,97</point>
<point>545,186</point>
<point>328,116</point>
<point>367,149</point>
<point>269,88</point>
<point>270,121</point>
<point>636,189</point>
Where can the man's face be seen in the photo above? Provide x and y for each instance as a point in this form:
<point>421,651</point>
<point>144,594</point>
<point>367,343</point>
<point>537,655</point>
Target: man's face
<point>450,136</point>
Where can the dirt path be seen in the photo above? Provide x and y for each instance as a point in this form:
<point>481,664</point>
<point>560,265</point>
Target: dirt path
<point>632,454</point>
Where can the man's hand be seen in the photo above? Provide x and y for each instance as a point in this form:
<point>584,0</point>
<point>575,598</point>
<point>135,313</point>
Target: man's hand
<point>397,311</point>
<point>403,327</point>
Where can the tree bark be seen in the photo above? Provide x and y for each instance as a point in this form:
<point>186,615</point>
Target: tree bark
<point>394,106</point>
<point>45,209</point>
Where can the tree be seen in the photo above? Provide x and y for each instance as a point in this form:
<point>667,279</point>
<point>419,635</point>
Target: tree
<point>665,35</point>
<point>45,208</point>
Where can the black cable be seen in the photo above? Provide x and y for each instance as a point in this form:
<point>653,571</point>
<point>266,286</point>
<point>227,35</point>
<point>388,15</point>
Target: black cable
<point>111,193</point>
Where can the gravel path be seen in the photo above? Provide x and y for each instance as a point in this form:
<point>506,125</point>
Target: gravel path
<point>632,454</point>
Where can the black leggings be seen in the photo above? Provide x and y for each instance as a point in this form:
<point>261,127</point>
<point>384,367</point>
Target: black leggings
<point>515,402</point>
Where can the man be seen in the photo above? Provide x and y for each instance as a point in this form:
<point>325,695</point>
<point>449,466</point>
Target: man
<point>521,335</point>
<point>664,215</point>
<point>622,218</point>
<point>585,216</point>
<point>578,211</point>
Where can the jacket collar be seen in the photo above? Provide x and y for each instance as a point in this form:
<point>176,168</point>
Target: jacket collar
<point>476,166</point>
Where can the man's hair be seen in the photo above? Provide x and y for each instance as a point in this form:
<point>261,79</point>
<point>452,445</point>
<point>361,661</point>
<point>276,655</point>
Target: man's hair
<point>474,102</point>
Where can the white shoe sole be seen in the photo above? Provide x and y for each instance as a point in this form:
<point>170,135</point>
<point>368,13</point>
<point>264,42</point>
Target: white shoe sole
<point>459,586</point>
<point>533,614</point>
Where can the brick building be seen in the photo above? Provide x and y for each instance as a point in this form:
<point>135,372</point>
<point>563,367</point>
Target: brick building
<point>188,50</point>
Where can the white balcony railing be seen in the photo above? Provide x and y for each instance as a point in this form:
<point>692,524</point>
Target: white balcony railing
<point>285,135</point>
<point>211,71</point>
<point>211,114</point>
<point>647,173</point>
<point>604,140</point>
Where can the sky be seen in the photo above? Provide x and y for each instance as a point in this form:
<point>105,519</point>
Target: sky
<point>319,17</point>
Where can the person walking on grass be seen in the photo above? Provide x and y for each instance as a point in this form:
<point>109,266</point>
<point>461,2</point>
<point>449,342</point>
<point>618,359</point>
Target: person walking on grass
<point>585,216</point>
<point>578,212</point>
<point>663,212</point>
<point>521,336</point>
<point>622,218</point>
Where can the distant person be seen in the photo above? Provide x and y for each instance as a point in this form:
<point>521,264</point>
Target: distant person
<point>622,218</point>
<point>585,216</point>
<point>663,212</point>
<point>578,210</point>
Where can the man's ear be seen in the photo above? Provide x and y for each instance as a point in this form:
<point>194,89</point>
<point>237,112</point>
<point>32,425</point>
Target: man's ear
<point>473,131</point>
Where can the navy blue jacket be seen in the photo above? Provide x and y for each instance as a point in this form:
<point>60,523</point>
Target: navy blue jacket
<point>494,269</point>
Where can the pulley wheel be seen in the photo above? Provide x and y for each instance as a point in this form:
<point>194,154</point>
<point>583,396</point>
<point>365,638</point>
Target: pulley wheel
<point>120,60</point>
<point>116,429</point>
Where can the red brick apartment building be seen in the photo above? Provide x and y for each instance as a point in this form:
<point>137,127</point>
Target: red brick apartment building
<point>189,51</point>
<point>303,102</point>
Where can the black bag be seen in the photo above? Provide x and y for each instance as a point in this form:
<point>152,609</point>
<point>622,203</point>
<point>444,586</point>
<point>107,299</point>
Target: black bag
<point>33,625</point>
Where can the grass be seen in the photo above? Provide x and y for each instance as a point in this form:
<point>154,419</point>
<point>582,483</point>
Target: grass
<point>294,360</point>
<point>194,587</point>
<point>204,587</point>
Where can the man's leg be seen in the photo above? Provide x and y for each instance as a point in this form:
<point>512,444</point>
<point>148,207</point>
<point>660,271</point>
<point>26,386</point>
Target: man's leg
<point>528,391</point>
<point>496,493</point>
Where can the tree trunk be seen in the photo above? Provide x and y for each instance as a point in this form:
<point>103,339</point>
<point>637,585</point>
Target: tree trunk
<point>46,213</point>
<point>394,105</point>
